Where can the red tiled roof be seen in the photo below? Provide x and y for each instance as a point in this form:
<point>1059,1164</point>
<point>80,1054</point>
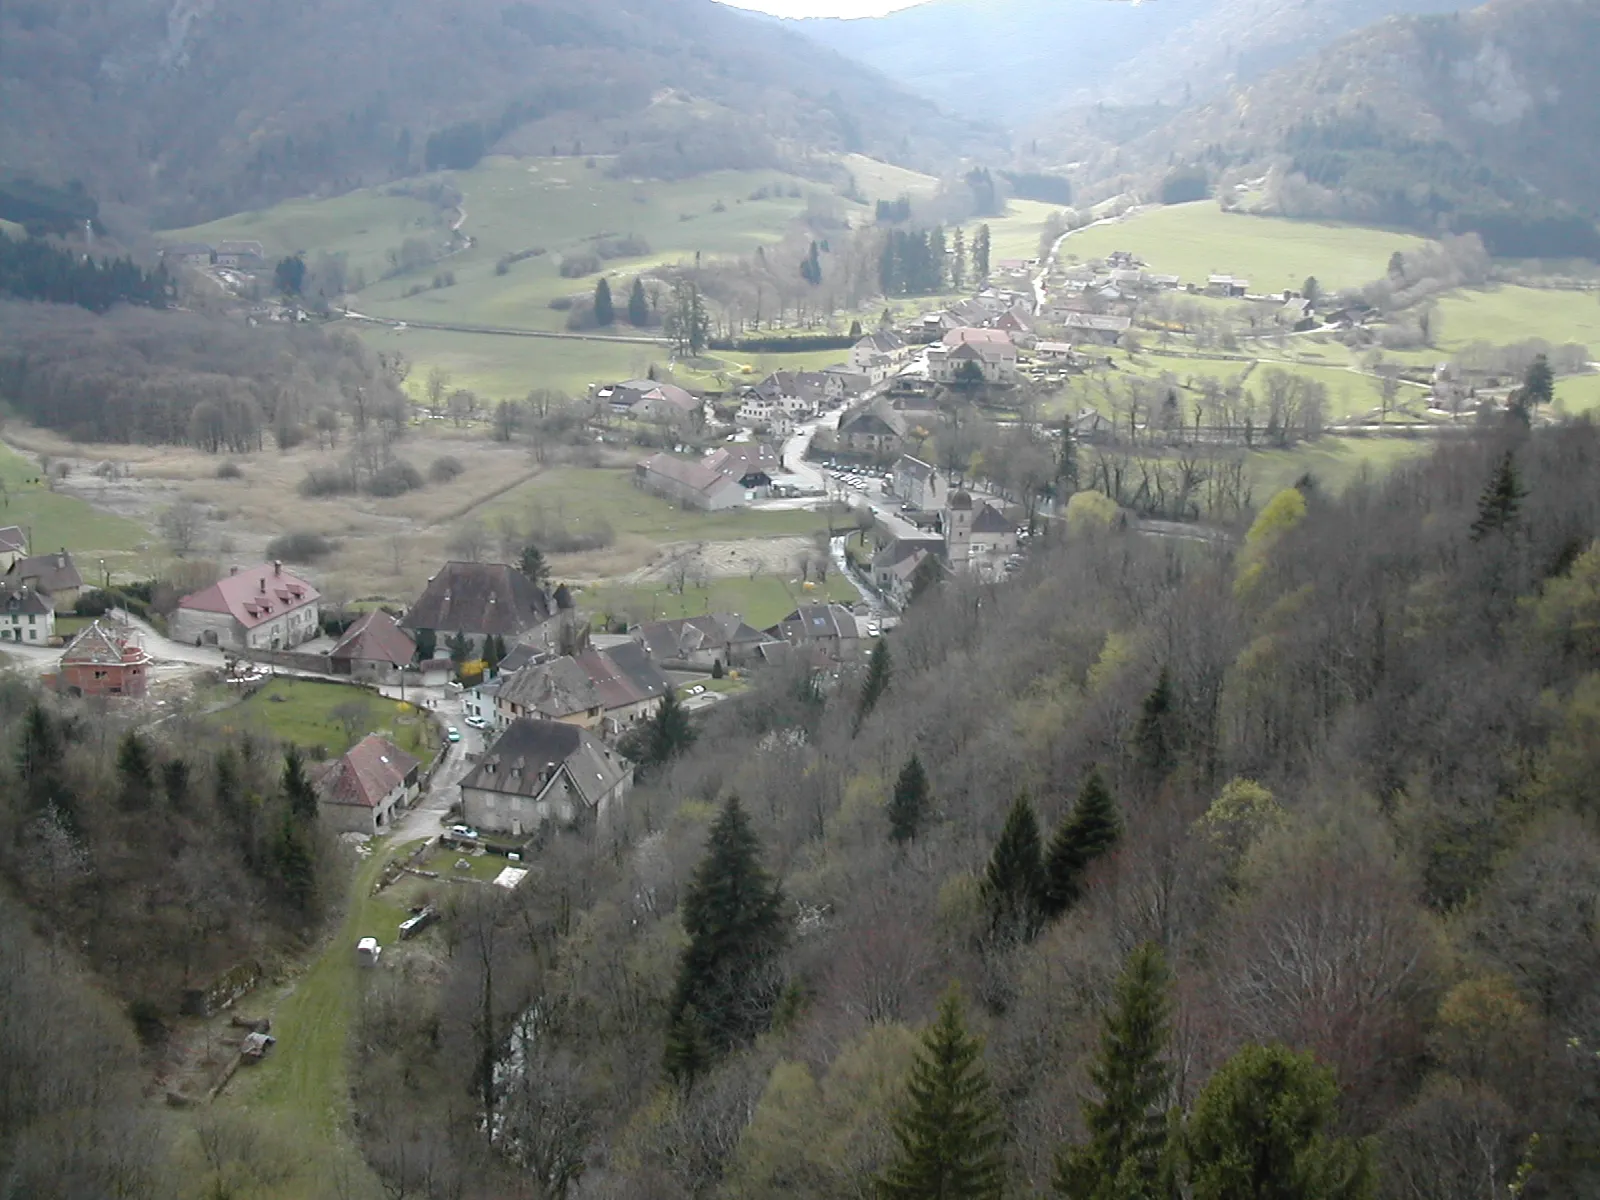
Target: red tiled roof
<point>368,772</point>
<point>375,637</point>
<point>254,595</point>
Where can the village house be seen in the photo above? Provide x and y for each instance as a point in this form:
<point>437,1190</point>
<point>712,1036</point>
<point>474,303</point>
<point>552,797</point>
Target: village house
<point>538,772</point>
<point>1227,285</point>
<point>876,430</point>
<point>187,254</point>
<point>975,533</point>
<point>991,349</point>
<point>896,567</point>
<point>878,354</point>
<point>257,608</point>
<point>688,483</point>
<point>830,630</point>
<point>56,575</point>
<point>1101,329</point>
<point>918,483</point>
<point>478,702</point>
<point>242,255</point>
<point>796,394</point>
<point>26,615</point>
<point>373,648</point>
<point>361,791</point>
<point>647,400</point>
<point>757,411</point>
<point>105,659</point>
<point>608,689</point>
<point>751,464</point>
<point>13,545</point>
<point>702,642</point>
<point>476,600</point>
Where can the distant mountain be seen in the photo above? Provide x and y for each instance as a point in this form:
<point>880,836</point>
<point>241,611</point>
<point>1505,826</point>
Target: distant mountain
<point>1481,121</point>
<point>1018,60</point>
<point>187,109</point>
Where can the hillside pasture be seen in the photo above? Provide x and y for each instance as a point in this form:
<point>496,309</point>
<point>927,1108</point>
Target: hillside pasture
<point>363,224</point>
<point>1508,313</point>
<point>1197,240</point>
<point>55,518</point>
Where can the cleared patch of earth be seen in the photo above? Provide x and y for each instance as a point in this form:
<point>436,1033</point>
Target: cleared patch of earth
<point>722,560</point>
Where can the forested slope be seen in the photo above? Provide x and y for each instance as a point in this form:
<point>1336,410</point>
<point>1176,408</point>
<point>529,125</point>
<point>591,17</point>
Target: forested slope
<point>194,110</point>
<point>1350,768</point>
<point>1475,121</point>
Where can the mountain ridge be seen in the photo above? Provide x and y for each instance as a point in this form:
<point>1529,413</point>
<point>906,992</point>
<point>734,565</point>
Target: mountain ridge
<point>188,109</point>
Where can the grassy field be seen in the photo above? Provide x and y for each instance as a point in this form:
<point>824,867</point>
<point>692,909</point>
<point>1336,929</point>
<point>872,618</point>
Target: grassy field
<point>301,1090</point>
<point>363,224</point>
<point>579,498</point>
<point>53,520</point>
<point>1578,393</point>
<point>303,712</point>
<point>1507,314</point>
<point>558,205</point>
<point>1197,240</point>
<point>1335,463</point>
<point>762,602</point>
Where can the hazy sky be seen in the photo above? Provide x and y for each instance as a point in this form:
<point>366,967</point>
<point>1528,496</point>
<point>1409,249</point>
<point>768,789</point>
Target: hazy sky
<point>824,8</point>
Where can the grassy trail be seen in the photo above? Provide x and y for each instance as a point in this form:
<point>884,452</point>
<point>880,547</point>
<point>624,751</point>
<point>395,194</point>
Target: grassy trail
<point>302,1089</point>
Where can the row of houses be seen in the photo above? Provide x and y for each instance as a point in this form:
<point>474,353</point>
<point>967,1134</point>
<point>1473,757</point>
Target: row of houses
<point>240,255</point>
<point>729,477</point>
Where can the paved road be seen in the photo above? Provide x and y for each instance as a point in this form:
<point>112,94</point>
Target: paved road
<point>427,816</point>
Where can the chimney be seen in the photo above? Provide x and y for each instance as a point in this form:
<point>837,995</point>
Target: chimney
<point>277,567</point>
<point>233,570</point>
<point>263,582</point>
<point>61,560</point>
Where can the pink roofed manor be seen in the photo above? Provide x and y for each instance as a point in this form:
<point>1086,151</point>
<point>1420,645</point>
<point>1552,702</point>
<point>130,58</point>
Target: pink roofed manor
<point>252,608</point>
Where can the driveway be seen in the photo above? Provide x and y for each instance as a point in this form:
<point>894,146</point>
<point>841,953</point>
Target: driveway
<point>427,816</point>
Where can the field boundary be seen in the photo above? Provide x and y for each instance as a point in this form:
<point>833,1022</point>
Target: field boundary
<point>503,331</point>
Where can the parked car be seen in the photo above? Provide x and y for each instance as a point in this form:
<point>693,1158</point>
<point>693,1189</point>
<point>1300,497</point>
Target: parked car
<point>697,689</point>
<point>453,734</point>
<point>463,831</point>
<point>476,723</point>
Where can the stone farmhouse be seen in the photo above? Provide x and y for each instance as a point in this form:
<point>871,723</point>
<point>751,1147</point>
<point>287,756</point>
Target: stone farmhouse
<point>26,615</point>
<point>56,575</point>
<point>702,641</point>
<point>373,648</point>
<point>542,772</point>
<point>362,791</point>
<point>689,483</point>
<point>480,599</point>
<point>256,608</point>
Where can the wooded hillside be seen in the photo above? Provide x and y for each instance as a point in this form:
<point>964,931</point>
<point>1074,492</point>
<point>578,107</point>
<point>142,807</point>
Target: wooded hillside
<point>192,111</point>
<point>1341,776</point>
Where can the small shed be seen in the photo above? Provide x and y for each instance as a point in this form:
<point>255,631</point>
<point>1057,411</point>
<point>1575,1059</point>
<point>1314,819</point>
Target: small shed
<point>368,951</point>
<point>255,1047</point>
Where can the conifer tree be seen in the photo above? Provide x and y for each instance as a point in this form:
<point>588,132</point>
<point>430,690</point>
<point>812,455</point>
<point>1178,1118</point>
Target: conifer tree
<point>908,806</point>
<point>1538,382</point>
<point>1128,1154</point>
<point>136,772</point>
<point>605,312</point>
<point>727,985</point>
<point>855,328</point>
<point>533,566</point>
<point>1500,502</point>
<point>39,751</point>
<point>1013,882</point>
<point>879,671</point>
<point>958,259</point>
<point>980,253</point>
<point>1088,832</point>
<point>427,644</point>
<point>297,788</point>
<point>949,1130</point>
<point>175,782</point>
<point>295,859</point>
<point>638,305</point>
<point>1156,736</point>
<point>1257,1132</point>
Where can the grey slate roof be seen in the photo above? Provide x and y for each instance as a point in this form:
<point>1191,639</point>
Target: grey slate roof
<point>479,598</point>
<point>520,760</point>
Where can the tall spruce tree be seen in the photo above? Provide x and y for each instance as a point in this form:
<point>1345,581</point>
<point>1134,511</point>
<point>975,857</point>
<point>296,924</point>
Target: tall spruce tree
<point>1538,382</point>
<point>879,672</point>
<point>136,772</point>
<point>1087,832</point>
<point>297,787</point>
<point>951,1140</point>
<point>1258,1132</point>
<point>605,312</point>
<point>1156,738</point>
<point>1500,502</point>
<point>980,253</point>
<point>1129,1154</point>
<point>1013,882</point>
<point>638,305</point>
<point>958,259</point>
<point>662,736</point>
<point>727,979</point>
<point>908,805</point>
